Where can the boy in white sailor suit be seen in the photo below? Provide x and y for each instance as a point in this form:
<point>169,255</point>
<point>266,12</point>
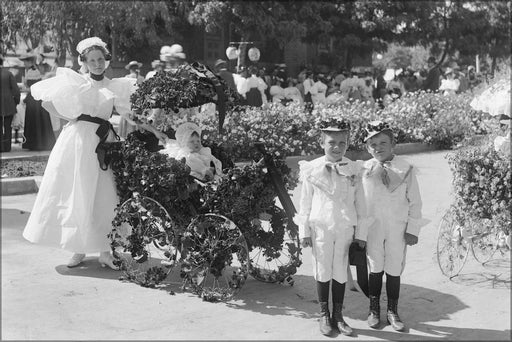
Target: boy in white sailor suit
<point>393,200</point>
<point>332,214</point>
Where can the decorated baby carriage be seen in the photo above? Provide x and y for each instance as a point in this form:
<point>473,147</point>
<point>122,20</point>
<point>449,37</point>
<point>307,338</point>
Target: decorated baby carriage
<point>214,234</point>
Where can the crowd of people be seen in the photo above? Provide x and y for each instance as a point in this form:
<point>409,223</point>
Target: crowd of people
<point>376,85</point>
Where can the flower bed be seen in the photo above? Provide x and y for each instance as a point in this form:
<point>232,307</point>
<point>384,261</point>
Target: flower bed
<point>22,168</point>
<point>443,121</point>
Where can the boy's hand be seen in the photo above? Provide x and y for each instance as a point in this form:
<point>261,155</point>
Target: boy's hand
<point>361,243</point>
<point>410,239</point>
<point>306,242</point>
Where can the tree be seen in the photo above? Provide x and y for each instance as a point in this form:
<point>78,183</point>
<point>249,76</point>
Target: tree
<point>127,23</point>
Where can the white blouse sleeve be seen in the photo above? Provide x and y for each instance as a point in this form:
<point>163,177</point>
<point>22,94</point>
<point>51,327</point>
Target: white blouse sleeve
<point>123,88</point>
<point>63,94</point>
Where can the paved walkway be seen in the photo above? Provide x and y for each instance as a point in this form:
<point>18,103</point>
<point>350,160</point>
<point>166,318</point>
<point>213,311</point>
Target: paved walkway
<point>43,299</point>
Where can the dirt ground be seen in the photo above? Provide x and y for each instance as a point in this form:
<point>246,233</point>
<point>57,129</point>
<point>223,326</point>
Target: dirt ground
<point>43,299</point>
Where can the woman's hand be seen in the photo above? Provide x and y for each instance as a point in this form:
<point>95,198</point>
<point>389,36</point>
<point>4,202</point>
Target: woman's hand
<point>160,135</point>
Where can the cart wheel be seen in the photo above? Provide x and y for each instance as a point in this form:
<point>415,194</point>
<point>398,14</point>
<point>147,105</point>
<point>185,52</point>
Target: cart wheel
<point>142,241</point>
<point>452,247</point>
<point>484,242</point>
<point>276,266</point>
<point>215,258</point>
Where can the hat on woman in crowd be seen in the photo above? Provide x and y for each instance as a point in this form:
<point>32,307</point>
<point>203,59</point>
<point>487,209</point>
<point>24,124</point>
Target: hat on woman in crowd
<point>133,64</point>
<point>448,71</point>
<point>172,52</point>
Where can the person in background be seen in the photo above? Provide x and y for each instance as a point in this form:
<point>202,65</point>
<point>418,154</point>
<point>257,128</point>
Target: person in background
<point>411,83</point>
<point>134,71</point>
<point>10,99</point>
<point>157,66</point>
<point>450,85</point>
<point>432,81</point>
<point>221,69</point>
<point>38,129</point>
<point>308,88</point>
<point>367,87</point>
<point>173,56</point>
<point>240,79</point>
<point>464,82</point>
<point>318,89</point>
<point>380,87</point>
<point>277,91</point>
<point>292,93</point>
<point>255,89</point>
<point>396,87</point>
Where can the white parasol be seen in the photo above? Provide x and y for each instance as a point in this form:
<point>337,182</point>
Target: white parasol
<point>495,100</point>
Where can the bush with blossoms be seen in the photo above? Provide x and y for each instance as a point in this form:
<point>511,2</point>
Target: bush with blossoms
<point>432,118</point>
<point>482,186</point>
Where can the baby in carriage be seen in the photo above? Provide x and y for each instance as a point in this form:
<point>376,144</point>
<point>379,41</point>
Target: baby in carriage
<point>203,165</point>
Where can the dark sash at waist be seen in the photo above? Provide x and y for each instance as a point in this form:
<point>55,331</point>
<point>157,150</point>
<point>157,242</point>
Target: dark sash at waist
<point>102,132</point>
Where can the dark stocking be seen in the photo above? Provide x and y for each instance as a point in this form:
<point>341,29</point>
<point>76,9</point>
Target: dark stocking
<point>375,284</point>
<point>322,289</point>
<point>392,286</point>
<point>338,292</point>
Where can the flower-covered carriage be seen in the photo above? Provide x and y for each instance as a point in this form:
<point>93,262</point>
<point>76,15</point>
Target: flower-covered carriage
<point>480,218</point>
<point>215,233</point>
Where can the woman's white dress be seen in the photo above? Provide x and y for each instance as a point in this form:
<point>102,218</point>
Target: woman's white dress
<point>75,204</point>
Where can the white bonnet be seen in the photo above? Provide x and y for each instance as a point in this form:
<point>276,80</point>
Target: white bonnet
<point>87,43</point>
<point>184,131</point>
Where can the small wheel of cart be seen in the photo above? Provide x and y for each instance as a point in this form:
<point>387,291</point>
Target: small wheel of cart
<point>484,242</point>
<point>270,265</point>
<point>452,247</point>
<point>142,241</point>
<point>214,257</point>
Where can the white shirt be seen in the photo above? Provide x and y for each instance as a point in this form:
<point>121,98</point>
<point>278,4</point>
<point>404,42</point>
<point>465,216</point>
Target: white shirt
<point>331,199</point>
<point>400,201</point>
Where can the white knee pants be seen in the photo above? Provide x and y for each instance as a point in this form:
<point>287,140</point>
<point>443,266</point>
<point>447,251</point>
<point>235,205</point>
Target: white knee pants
<point>330,252</point>
<point>386,248</point>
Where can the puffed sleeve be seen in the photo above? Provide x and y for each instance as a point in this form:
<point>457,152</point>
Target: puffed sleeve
<point>302,217</point>
<point>62,95</point>
<point>123,88</point>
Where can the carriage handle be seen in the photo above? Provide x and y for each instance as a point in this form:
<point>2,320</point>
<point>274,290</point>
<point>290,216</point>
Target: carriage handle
<point>277,182</point>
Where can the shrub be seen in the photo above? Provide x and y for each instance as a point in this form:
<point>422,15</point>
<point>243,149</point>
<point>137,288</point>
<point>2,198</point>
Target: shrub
<point>482,185</point>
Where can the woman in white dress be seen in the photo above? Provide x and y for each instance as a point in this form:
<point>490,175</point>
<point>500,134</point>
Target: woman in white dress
<point>75,204</point>
<point>277,91</point>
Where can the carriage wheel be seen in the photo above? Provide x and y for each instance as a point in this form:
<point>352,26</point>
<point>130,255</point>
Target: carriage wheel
<point>142,241</point>
<point>484,242</point>
<point>214,257</point>
<point>452,247</point>
<point>277,266</point>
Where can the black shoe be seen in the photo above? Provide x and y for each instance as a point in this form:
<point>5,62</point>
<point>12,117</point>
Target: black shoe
<point>325,319</point>
<point>374,314</point>
<point>392,315</point>
<point>337,320</point>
